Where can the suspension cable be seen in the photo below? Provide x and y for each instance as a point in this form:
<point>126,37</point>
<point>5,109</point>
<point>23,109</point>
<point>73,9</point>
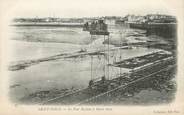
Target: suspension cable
<point>108,57</point>
<point>104,56</point>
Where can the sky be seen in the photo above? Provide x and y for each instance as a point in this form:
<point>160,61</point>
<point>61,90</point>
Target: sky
<point>85,8</point>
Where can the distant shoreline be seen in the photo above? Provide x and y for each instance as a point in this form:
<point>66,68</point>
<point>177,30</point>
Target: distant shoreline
<point>50,24</point>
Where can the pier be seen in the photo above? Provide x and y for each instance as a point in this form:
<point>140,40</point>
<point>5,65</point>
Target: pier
<point>103,88</point>
<point>168,30</point>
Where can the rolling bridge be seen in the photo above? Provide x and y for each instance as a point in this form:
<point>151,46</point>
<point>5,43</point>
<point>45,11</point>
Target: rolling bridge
<point>100,89</point>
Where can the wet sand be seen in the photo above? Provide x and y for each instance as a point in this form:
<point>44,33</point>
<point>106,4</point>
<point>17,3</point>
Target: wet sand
<point>73,73</point>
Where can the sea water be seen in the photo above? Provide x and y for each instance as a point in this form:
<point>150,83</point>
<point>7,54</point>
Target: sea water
<point>33,43</point>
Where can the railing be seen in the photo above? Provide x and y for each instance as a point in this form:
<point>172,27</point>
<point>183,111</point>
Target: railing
<point>108,93</point>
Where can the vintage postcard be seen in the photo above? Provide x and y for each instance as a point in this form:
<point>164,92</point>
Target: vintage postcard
<point>119,57</point>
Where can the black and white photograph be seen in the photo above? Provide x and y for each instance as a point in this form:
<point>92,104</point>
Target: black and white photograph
<point>92,53</point>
